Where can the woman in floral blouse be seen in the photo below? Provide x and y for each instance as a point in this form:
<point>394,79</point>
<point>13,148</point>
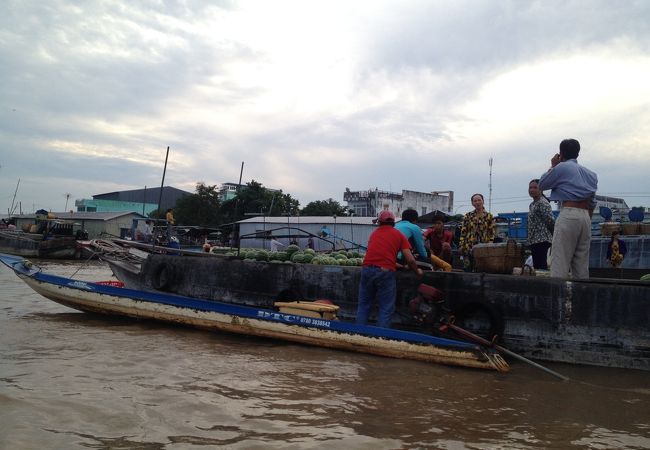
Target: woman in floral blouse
<point>540,226</point>
<point>478,227</point>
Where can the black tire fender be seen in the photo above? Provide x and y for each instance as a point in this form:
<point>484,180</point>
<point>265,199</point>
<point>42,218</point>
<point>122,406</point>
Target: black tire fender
<point>161,276</point>
<point>486,311</point>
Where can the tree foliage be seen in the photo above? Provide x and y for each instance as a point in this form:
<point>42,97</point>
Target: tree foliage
<point>254,198</point>
<point>202,208</point>
<point>327,207</point>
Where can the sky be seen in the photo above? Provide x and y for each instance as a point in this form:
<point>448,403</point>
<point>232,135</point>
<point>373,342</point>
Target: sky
<point>318,96</point>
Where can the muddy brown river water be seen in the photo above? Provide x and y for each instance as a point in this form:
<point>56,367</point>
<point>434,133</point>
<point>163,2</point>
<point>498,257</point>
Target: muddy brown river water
<point>70,380</point>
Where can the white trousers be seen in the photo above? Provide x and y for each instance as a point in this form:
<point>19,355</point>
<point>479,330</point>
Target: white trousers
<point>571,242</point>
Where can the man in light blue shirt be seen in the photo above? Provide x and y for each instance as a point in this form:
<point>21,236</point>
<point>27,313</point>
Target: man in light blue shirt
<point>413,233</point>
<point>574,186</point>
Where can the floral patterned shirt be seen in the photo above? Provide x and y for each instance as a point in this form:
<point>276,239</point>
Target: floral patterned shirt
<point>540,221</point>
<point>476,230</point>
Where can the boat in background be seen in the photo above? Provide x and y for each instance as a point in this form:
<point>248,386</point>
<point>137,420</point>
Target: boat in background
<point>46,238</point>
<point>302,322</point>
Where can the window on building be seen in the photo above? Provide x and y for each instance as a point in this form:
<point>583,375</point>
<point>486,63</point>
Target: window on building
<point>424,210</point>
<point>91,209</point>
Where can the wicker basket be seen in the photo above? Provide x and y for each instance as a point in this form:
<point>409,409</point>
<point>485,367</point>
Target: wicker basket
<point>498,258</point>
<point>631,228</point>
<point>607,228</point>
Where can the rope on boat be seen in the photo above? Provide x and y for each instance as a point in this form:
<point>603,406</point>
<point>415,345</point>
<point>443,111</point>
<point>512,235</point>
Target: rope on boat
<point>103,247</point>
<point>109,248</point>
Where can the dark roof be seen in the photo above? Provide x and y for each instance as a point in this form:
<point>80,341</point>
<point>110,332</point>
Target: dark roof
<point>149,195</point>
<point>428,217</point>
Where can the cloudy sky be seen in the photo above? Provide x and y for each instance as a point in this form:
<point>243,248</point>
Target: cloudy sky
<point>317,96</point>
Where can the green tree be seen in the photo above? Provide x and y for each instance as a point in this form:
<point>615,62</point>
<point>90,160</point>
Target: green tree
<point>256,199</point>
<point>202,208</point>
<point>327,207</point>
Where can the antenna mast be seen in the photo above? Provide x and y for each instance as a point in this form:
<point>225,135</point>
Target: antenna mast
<point>490,187</point>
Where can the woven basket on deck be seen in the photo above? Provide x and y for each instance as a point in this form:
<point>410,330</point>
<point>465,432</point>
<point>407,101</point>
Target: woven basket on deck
<point>631,228</point>
<point>607,228</point>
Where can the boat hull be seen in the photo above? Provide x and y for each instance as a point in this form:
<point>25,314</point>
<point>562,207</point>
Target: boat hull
<point>596,322</point>
<point>33,246</point>
<point>90,297</point>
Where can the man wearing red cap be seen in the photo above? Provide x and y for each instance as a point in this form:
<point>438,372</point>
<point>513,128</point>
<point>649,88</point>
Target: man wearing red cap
<point>378,281</point>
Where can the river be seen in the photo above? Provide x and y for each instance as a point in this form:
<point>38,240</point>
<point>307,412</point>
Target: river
<point>71,380</point>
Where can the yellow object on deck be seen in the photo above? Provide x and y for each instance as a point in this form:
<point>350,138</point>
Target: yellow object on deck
<point>308,309</point>
<point>440,263</point>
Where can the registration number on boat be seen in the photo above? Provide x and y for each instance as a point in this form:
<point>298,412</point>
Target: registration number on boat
<point>290,318</point>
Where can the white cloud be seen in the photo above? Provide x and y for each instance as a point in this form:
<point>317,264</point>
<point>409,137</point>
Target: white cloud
<point>319,96</point>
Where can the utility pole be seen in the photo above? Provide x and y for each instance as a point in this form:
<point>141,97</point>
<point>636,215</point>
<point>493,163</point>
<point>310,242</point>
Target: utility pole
<point>162,183</point>
<point>11,210</point>
<point>67,197</point>
<point>490,186</point>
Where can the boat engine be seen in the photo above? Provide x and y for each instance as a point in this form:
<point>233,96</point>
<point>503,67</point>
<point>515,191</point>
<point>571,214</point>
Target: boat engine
<point>427,307</point>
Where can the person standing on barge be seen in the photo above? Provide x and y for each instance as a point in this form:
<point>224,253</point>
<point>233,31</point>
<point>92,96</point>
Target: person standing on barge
<point>478,228</point>
<point>169,217</point>
<point>378,280</point>
<point>540,226</point>
<point>574,186</point>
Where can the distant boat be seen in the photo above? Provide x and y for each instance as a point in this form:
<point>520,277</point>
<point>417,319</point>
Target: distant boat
<point>48,238</point>
<point>303,322</point>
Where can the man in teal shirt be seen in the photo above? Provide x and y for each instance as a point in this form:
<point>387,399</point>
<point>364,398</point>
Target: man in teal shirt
<point>413,233</point>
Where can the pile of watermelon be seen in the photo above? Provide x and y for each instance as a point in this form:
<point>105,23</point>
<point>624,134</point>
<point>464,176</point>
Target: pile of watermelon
<point>293,254</point>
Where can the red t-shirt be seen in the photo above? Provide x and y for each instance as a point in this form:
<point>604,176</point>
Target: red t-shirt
<point>383,245</point>
<point>435,241</point>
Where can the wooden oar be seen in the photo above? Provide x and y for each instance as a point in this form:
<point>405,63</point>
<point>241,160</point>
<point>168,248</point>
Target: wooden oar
<point>485,342</point>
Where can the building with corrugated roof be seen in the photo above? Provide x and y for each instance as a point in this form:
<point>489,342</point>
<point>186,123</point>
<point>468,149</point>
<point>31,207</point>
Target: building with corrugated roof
<point>343,232</point>
<point>142,201</point>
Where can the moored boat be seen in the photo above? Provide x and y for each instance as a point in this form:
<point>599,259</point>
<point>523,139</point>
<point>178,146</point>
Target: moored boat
<point>36,245</point>
<point>602,322</point>
<point>254,321</point>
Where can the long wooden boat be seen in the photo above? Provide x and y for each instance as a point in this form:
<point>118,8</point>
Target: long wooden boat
<point>263,322</point>
<point>603,322</point>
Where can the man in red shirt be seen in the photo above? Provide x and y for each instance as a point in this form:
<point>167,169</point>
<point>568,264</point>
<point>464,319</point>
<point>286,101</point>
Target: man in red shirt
<point>438,240</point>
<point>378,281</point>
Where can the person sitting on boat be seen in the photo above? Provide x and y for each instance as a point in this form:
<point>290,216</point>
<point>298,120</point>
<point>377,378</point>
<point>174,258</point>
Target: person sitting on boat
<point>616,250</point>
<point>378,281</point>
<point>438,240</point>
<point>478,227</point>
<point>413,233</point>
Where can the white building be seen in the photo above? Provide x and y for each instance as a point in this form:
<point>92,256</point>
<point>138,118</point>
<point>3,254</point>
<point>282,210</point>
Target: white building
<point>368,203</point>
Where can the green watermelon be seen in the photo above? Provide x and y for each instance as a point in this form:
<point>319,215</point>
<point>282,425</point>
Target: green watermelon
<point>298,257</point>
<point>292,248</point>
